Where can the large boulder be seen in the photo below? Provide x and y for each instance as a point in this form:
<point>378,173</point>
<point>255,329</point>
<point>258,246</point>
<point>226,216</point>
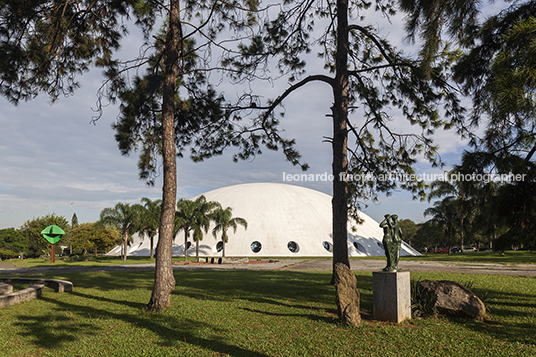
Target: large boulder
<point>451,298</point>
<point>347,298</point>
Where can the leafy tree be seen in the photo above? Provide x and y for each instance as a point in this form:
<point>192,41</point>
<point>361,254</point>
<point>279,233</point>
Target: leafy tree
<point>497,70</point>
<point>151,219</point>
<point>370,82</point>
<point>409,228</point>
<point>37,244</point>
<point>13,240</point>
<point>82,237</point>
<point>224,220</point>
<point>428,235</point>
<point>6,253</point>
<point>88,236</point>
<point>105,238</point>
<point>444,215</point>
<point>46,44</point>
<point>172,106</point>
<point>126,218</point>
<point>458,191</point>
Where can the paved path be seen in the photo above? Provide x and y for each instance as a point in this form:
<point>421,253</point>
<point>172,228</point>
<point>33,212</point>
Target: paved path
<point>304,265</point>
<point>447,267</point>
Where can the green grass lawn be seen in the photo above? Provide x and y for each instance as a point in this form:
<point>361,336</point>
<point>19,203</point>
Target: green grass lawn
<point>509,257</point>
<point>88,260</point>
<point>257,313</point>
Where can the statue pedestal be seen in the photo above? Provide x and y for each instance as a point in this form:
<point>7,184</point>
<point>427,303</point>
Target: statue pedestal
<point>391,293</point>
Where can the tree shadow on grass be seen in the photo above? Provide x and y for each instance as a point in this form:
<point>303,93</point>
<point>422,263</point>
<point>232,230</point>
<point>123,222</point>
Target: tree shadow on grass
<point>170,329</point>
<point>323,319</point>
<point>509,304</point>
<point>282,288</point>
<point>508,313</point>
<point>50,331</point>
<point>272,301</point>
<point>107,281</point>
<point>221,285</point>
<point>132,304</point>
<point>515,332</point>
<point>299,290</point>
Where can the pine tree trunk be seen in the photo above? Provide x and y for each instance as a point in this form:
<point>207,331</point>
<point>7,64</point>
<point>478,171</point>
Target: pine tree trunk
<point>164,282</point>
<point>340,169</point>
<point>340,138</point>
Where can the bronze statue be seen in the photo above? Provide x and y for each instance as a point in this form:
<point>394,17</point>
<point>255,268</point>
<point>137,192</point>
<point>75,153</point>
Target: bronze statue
<point>392,241</point>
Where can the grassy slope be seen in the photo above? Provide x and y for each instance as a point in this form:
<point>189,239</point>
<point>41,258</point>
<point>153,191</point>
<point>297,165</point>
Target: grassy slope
<point>257,313</point>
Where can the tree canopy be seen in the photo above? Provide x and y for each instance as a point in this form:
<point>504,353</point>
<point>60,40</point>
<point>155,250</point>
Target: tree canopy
<point>13,242</point>
<point>497,71</point>
<point>371,83</point>
<point>87,236</point>
<point>37,244</point>
<point>46,44</point>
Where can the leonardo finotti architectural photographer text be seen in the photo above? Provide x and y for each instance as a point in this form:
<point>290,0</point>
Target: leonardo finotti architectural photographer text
<point>407,177</point>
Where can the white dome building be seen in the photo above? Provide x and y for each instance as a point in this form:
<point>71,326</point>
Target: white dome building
<point>283,221</point>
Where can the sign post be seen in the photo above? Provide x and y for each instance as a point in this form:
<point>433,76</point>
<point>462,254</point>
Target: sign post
<point>53,234</point>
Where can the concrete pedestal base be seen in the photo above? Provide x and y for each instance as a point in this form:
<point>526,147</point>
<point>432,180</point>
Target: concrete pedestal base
<point>391,296</point>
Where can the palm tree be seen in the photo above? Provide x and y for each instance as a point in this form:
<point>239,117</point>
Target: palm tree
<point>151,219</point>
<point>443,214</point>
<point>458,192</point>
<point>126,218</point>
<point>205,215</point>
<point>224,220</point>
<point>194,216</point>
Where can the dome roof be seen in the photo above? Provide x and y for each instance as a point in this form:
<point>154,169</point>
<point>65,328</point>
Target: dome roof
<point>283,220</point>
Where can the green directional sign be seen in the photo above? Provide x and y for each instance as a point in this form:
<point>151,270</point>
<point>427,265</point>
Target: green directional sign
<point>52,233</point>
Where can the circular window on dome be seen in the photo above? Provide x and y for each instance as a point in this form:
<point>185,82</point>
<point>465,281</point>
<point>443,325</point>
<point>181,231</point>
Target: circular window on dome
<point>327,246</point>
<point>219,246</point>
<point>293,246</point>
<point>256,247</point>
<point>380,245</point>
<point>360,247</point>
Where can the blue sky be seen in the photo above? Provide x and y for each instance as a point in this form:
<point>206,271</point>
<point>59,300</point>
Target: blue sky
<point>53,160</point>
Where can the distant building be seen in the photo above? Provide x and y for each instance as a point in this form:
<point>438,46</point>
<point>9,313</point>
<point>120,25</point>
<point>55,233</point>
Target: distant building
<point>283,221</point>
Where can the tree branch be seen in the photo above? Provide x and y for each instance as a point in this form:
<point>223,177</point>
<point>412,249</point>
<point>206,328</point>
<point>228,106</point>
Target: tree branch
<point>394,64</point>
<point>365,32</point>
<point>320,77</point>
